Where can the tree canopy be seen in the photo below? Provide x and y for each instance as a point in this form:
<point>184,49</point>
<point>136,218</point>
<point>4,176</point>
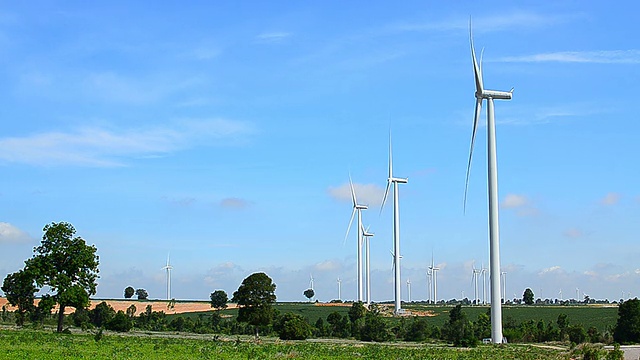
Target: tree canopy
<point>219,299</point>
<point>255,298</point>
<point>627,328</point>
<point>128,292</point>
<point>527,297</point>
<point>309,293</point>
<point>20,292</point>
<point>142,294</point>
<point>67,265</point>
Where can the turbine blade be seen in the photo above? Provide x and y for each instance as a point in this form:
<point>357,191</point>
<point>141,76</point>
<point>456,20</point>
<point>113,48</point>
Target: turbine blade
<point>353,214</point>
<point>476,69</point>
<point>386,193</point>
<point>476,119</point>
<point>353,192</point>
<point>390,157</point>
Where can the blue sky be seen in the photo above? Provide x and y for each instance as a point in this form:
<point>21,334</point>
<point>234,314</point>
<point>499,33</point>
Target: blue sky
<point>224,133</point>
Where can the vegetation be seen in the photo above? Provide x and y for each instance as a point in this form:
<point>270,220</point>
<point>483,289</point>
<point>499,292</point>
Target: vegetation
<point>129,292</point>
<point>255,297</point>
<point>627,330</point>
<point>528,297</point>
<point>309,293</point>
<point>20,291</point>
<point>142,294</point>
<point>219,299</point>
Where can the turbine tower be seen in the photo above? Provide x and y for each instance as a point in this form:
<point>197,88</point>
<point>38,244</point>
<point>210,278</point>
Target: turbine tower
<point>409,290</point>
<point>339,289</point>
<point>492,184</point>
<point>168,268</point>
<point>357,208</point>
<point>504,286</point>
<point>434,274</point>
<point>483,272</point>
<point>366,235</point>
<point>429,286</point>
<point>311,281</point>
<point>476,273</point>
<point>396,227</point>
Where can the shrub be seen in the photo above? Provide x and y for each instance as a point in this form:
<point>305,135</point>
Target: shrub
<point>121,322</point>
<point>293,327</point>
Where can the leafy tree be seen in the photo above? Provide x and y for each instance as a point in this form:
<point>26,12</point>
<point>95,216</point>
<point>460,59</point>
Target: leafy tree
<point>292,327</point>
<point>627,328</point>
<point>482,326</point>
<point>528,296</point>
<point>131,311</point>
<point>418,329</point>
<point>576,334</point>
<point>255,298</point>
<point>101,314</point>
<point>66,264</point>
<point>81,318</point>
<point>563,324</point>
<point>128,292</point>
<point>40,312</point>
<point>219,299</point>
<point>357,311</point>
<point>20,291</point>
<point>309,293</point>
<point>375,328</point>
<point>458,329</point>
<point>142,294</point>
<point>120,322</point>
<point>338,325</point>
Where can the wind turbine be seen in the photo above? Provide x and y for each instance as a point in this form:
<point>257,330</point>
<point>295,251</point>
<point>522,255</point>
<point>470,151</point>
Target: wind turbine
<point>434,274</point>
<point>357,208</point>
<point>366,234</point>
<point>504,286</point>
<point>339,289</point>
<point>483,272</point>
<point>429,286</point>
<point>476,272</point>
<point>311,281</point>
<point>168,268</point>
<point>492,185</point>
<point>396,226</point>
<point>409,290</point>
<point>560,293</point>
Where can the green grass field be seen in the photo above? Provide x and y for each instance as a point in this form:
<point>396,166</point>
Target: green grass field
<point>31,344</point>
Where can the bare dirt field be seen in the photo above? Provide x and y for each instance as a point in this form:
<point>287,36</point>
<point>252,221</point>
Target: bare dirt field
<point>157,305</point>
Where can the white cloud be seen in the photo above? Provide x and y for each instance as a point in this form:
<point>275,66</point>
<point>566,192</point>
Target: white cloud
<point>549,270</point>
<point>367,194</point>
<point>610,199</point>
<point>573,233</point>
<point>273,37</point>
<point>512,201</point>
<point>328,265</point>
<point>234,203</point>
<point>100,147</point>
<point>11,234</point>
<point>600,57</point>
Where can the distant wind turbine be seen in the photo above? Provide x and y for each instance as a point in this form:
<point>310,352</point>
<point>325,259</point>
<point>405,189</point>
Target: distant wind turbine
<point>476,273</point>
<point>504,286</point>
<point>429,286</point>
<point>483,272</point>
<point>339,289</point>
<point>311,281</point>
<point>366,234</point>
<point>409,290</point>
<point>357,208</point>
<point>168,268</point>
<point>482,94</point>
<point>434,274</point>
<point>396,227</point>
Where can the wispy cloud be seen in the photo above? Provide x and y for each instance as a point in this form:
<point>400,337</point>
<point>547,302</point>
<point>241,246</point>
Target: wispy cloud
<point>599,57</point>
<point>573,233</point>
<point>550,270</point>
<point>273,37</point>
<point>234,203</point>
<point>610,199</point>
<point>520,203</point>
<point>11,234</point>
<point>101,147</point>
<point>367,194</point>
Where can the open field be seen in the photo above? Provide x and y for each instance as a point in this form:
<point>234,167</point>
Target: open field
<point>31,344</point>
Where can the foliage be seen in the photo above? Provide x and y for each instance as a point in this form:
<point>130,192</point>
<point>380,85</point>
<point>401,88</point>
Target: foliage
<point>81,318</point>
<point>627,330</point>
<point>292,327</point>
<point>20,291</point>
<point>219,299</point>
<point>142,294</point>
<point>29,344</point>
<point>616,353</point>
<point>309,293</point>
<point>131,311</point>
<point>417,330</point>
<point>43,310</point>
<point>338,325</point>
<point>129,292</point>
<point>120,322</point>
<point>101,314</point>
<point>374,328</point>
<point>576,334</point>
<point>458,330</point>
<point>255,298</point>
<point>357,311</point>
<point>67,265</point>
<point>528,296</point>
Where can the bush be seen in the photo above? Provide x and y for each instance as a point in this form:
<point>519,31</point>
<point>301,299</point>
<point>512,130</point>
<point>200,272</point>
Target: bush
<point>417,330</point>
<point>293,327</point>
<point>101,314</point>
<point>374,328</point>
<point>121,322</point>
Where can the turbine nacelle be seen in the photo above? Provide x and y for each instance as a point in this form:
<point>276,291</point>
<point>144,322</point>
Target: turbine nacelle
<point>495,94</point>
<point>361,207</point>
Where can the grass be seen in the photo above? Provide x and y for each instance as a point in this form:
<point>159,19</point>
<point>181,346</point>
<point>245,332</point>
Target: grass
<point>32,344</point>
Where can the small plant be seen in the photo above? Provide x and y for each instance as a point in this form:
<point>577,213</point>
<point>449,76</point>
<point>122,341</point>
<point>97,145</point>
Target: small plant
<point>98,336</point>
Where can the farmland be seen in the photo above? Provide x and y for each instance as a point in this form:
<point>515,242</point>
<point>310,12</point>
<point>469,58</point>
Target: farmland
<point>23,344</point>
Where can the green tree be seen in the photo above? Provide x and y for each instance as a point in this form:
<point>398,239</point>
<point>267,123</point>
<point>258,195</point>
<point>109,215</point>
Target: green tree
<point>67,265</point>
<point>128,292</point>
<point>627,330</point>
<point>563,324</point>
<point>293,327</point>
<point>309,293</point>
<point>20,291</point>
<point>142,294</point>
<point>40,312</point>
<point>131,311</point>
<point>120,322</point>
<point>418,329</point>
<point>458,329</point>
<point>375,328</point>
<point>338,325</point>
<point>576,334</point>
<point>255,298</point>
<point>357,311</point>
<point>219,299</point>
<point>101,314</point>
<point>528,296</point>
<point>482,326</point>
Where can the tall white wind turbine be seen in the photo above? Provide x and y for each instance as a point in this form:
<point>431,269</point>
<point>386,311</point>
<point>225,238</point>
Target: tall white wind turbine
<point>396,227</point>
<point>492,184</point>
<point>311,281</point>
<point>504,286</point>
<point>429,286</point>
<point>357,208</point>
<point>408,290</point>
<point>483,273</point>
<point>339,289</point>
<point>434,275</point>
<point>476,273</point>
<point>366,235</point>
<point>168,268</point>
